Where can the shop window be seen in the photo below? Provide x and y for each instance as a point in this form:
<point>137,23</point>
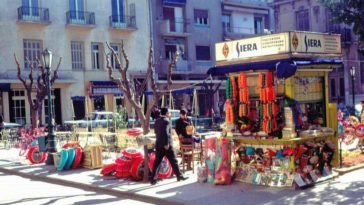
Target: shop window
<point>99,103</point>
<point>77,55</point>
<point>96,52</point>
<point>32,52</point>
<point>333,88</point>
<point>18,108</point>
<point>201,17</point>
<point>302,20</point>
<point>203,53</point>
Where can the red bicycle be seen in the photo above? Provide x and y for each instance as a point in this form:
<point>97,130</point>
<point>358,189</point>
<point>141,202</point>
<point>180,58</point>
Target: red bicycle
<point>28,138</point>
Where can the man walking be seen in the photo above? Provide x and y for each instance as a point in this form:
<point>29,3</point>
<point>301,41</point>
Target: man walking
<point>164,146</point>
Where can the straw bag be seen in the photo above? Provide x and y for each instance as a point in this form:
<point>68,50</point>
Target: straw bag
<point>190,129</point>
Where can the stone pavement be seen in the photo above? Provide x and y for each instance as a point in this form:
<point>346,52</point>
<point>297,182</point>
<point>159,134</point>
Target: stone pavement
<point>168,191</point>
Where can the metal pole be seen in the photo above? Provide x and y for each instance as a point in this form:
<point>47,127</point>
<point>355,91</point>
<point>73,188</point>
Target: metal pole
<point>353,89</point>
<point>341,154</point>
<point>51,137</point>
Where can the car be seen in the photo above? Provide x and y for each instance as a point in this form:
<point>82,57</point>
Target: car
<point>100,118</point>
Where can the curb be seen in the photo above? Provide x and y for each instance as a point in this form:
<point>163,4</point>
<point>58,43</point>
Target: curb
<point>87,187</point>
<point>342,171</point>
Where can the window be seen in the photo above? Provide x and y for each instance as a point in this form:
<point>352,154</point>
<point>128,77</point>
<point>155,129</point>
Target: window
<point>32,52</point>
<point>77,55</point>
<point>302,20</point>
<point>30,7</point>
<point>201,17</point>
<point>117,9</point>
<point>258,25</point>
<point>203,53</point>
<point>226,19</point>
<point>342,87</point>
<point>172,46</point>
<point>96,57</point>
<point>332,88</point>
<point>77,8</point>
<point>18,107</point>
<point>116,48</point>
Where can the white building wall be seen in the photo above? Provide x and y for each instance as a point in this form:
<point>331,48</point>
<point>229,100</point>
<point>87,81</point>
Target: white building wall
<point>57,37</point>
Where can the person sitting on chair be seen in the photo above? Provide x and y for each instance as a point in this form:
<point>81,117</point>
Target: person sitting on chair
<point>181,129</point>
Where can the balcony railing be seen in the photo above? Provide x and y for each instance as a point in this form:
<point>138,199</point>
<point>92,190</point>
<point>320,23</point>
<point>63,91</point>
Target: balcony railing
<point>239,32</point>
<point>182,66</point>
<point>177,26</point>
<point>122,22</point>
<point>33,14</point>
<point>80,18</point>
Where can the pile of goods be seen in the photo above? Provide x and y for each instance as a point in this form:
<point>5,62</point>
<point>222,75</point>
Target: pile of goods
<point>131,164</point>
<point>69,157</point>
<point>279,166</point>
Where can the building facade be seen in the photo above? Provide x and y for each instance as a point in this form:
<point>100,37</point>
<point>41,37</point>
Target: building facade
<point>75,30</point>
<point>309,15</point>
<point>192,28</point>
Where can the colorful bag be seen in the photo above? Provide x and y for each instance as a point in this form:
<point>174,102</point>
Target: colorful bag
<point>223,162</point>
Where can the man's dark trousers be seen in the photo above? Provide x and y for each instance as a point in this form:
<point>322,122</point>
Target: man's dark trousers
<point>171,156</point>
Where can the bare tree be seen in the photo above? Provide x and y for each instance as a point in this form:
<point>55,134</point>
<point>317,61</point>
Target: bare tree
<point>135,93</point>
<point>40,87</point>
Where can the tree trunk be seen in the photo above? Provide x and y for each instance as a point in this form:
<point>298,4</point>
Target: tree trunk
<point>34,117</point>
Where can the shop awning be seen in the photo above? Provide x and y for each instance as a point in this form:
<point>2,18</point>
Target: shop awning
<point>78,98</point>
<point>180,2</point>
<point>5,87</point>
<point>284,67</point>
<point>188,91</point>
<point>104,87</point>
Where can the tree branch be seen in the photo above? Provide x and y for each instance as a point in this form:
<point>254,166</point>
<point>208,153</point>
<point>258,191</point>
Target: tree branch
<point>55,73</point>
<point>19,72</point>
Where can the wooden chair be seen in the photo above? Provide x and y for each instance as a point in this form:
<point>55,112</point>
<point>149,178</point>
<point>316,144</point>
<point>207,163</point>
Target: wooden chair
<point>189,154</point>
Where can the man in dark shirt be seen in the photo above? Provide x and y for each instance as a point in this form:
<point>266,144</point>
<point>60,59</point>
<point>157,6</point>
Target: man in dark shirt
<point>181,131</point>
<point>164,146</point>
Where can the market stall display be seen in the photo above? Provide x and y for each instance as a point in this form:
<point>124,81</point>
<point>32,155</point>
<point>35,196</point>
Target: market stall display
<point>277,109</point>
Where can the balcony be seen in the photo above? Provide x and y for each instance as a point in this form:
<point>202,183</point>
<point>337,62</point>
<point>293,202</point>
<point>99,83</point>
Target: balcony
<point>238,32</point>
<point>33,15</point>
<point>122,22</point>
<point>175,28</point>
<point>182,67</point>
<point>80,18</point>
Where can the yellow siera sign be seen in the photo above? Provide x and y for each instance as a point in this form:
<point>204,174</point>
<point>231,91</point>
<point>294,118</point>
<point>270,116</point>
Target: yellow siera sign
<point>294,42</point>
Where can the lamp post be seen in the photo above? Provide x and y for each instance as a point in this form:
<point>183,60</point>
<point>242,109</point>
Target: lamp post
<point>47,62</point>
<point>352,74</point>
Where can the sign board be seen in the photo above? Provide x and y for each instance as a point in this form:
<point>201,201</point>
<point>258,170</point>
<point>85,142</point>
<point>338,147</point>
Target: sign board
<point>288,42</point>
<point>302,42</point>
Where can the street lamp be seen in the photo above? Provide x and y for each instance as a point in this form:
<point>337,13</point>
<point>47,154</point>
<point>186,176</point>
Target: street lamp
<point>47,62</point>
<point>352,73</point>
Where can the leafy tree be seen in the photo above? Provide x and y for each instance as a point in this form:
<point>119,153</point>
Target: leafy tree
<point>350,12</point>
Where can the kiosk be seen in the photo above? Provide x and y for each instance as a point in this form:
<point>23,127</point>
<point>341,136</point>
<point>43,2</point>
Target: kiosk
<point>277,110</point>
